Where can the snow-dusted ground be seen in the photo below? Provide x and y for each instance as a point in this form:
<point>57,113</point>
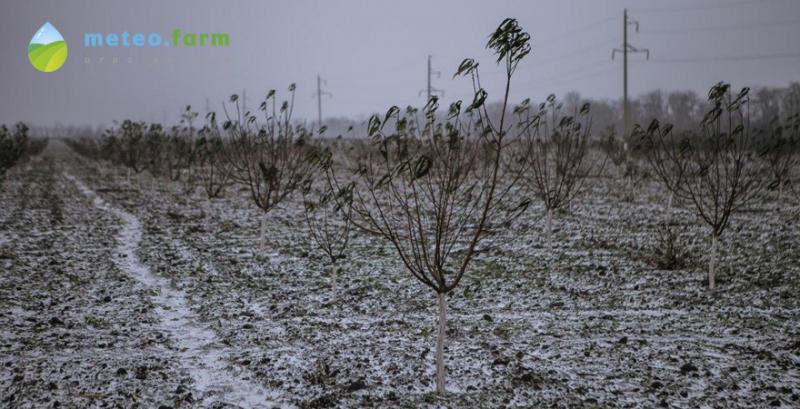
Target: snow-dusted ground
<point>178,286</point>
<point>198,347</point>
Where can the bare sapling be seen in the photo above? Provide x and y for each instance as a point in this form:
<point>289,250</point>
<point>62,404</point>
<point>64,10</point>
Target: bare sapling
<point>178,154</point>
<point>268,158</point>
<point>554,158</point>
<point>436,190</point>
<point>189,180</point>
<point>13,146</point>
<point>155,141</point>
<point>211,167</point>
<point>666,155</point>
<point>327,211</point>
<point>717,171</point>
<point>783,142</point>
<point>131,148</point>
<point>622,152</point>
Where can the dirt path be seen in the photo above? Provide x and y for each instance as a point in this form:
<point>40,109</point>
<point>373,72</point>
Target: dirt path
<point>199,349</point>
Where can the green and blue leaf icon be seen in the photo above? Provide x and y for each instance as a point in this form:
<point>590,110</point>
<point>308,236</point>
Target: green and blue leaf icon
<point>47,50</point>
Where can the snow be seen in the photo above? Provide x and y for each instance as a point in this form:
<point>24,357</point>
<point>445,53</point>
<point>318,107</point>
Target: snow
<point>199,348</point>
<point>144,296</point>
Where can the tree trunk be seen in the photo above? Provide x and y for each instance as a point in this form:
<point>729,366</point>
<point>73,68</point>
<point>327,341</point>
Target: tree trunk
<point>263,239</point>
<point>549,226</point>
<point>334,281</point>
<point>440,373</point>
<point>669,207</point>
<point>712,264</point>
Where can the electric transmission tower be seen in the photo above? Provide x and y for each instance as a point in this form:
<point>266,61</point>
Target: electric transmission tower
<point>431,90</point>
<point>627,48</point>
<point>319,94</point>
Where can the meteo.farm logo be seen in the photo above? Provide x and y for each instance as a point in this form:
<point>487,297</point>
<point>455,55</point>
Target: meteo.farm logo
<point>178,38</point>
<point>47,50</point>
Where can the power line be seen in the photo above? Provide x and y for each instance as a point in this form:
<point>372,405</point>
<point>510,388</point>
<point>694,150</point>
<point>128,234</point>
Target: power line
<point>695,7</point>
<point>558,58</point>
<point>776,56</point>
<point>592,71</point>
<point>722,28</point>
<point>569,33</point>
<point>582,50</point>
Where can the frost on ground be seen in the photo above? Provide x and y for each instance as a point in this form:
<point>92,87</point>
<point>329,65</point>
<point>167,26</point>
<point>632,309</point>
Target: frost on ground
<point>150,297</point>
<point>196,344</point>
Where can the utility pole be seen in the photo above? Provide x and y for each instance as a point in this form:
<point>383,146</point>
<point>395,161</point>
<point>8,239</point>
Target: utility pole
<point>319,94</point>
<point>430,90</point>
<point>626,48</point>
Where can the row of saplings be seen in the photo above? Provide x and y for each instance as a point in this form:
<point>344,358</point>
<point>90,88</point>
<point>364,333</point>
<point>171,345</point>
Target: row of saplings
<point>16,146</point>
<point>437,184</point>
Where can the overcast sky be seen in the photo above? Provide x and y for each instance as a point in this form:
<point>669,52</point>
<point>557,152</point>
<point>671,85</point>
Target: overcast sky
<point>373,53</point>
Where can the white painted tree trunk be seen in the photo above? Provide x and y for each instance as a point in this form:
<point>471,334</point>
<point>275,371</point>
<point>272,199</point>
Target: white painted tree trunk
<point>549,225</point>
<point>712,264</point>
<point>263,239</point>
<point>440,335</point>
<point>669,207</point>
<point>334,281</point>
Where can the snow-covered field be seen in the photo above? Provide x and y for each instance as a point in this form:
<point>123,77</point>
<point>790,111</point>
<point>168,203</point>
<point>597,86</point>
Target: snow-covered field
<point>117,294</point>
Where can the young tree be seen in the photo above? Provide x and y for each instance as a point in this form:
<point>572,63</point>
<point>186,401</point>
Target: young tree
<point>436,190</point>
<point>154,144</point>
<point>189,151</point>
<point>623,153</point>
<point>327,210</point>
<point>553,160</point>
<point>782,144</point>
<point>13,146</point>
<point>178,151</point>
<point>129,148</point>
<point>210,167</point>
<point>665,154</point>
<point>268,158</point>
<point>718,171</point>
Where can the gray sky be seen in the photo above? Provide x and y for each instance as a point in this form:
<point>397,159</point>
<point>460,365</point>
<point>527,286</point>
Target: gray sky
<point>373,53</point>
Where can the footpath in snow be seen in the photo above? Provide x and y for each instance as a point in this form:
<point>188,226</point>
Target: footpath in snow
<point>198,348</point>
